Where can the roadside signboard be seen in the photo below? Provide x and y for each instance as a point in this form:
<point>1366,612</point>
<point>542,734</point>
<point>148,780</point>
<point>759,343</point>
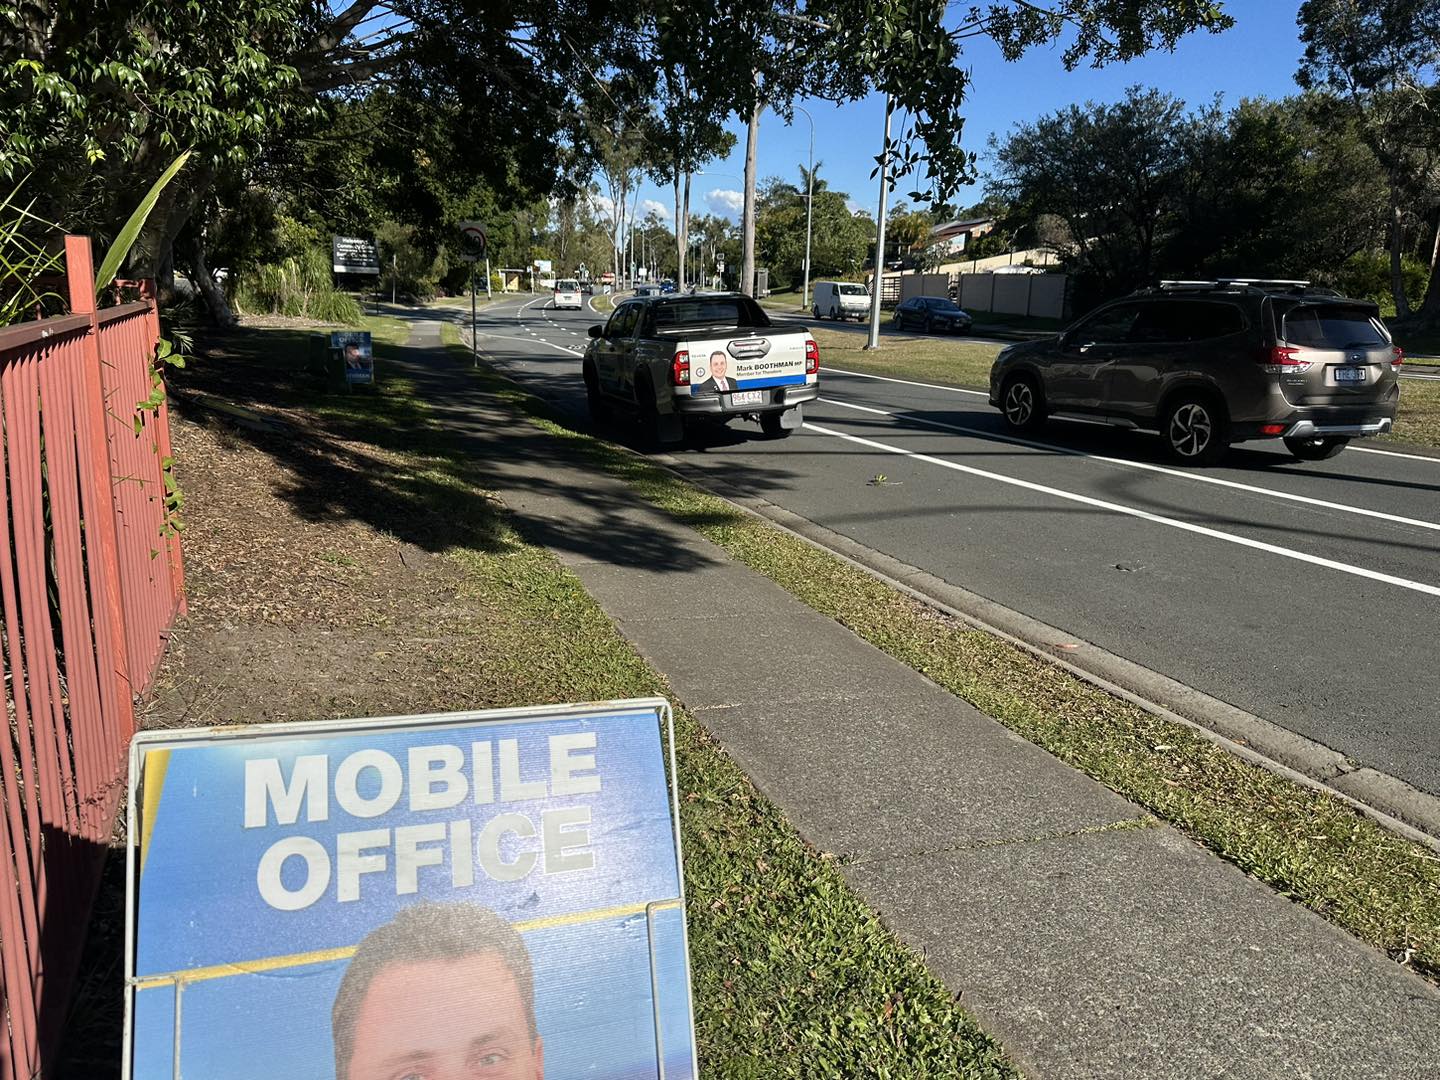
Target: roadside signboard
<point>365,898</point>
<point>473,241</point>
<point>543,266</point>
<point>355,350</point>
<point>354,255</point>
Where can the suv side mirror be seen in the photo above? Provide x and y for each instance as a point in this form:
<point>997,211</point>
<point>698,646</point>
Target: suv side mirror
<point>596,331</point>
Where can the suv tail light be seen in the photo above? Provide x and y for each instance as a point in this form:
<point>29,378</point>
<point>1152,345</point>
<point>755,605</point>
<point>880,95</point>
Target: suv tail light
<point>1283,359</point>
<point>680,368</point>
<point>1399,357</point>
<point>812,357</point>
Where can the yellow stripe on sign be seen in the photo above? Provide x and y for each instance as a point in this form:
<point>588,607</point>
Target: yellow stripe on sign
<point>152,778</point>
<point>321,956</point>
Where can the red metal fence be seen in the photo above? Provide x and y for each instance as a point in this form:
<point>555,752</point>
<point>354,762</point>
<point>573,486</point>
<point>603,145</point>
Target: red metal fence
<point>90,580</point>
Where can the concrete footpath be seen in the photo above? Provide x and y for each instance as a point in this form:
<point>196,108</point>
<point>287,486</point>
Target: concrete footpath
<point>1091,941</point>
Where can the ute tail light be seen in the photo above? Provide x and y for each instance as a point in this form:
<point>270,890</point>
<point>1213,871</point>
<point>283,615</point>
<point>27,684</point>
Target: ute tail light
<point>680,368</point>
<point>1399,356</point>
<point>812,357</point>
<point>1283,360</point>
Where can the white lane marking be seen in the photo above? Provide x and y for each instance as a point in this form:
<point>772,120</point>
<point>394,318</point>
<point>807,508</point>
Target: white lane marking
<point>1144,515</point>
<point>1417,375</point>
<point>906,382</point>
<point>1393,453</point>
<point>1145,466</point>
<point>535,341</point>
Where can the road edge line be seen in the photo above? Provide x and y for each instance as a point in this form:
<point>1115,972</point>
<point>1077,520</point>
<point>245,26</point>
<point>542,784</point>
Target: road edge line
<point>1394,803</point>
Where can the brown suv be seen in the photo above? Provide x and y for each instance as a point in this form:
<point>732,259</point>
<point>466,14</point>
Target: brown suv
<point>1207,364</point>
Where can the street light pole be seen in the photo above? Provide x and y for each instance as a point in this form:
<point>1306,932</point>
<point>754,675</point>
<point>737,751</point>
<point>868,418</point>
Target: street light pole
<point>879,282</point>
<point>809,208</point>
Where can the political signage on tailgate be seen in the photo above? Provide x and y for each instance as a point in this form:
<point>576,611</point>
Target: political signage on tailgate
<point>494,895</point>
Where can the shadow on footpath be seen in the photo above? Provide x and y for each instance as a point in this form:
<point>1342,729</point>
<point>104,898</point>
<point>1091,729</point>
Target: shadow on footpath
<point>466,436</point>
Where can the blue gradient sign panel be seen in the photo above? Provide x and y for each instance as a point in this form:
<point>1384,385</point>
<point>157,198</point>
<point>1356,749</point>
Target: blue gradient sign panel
<point>494,895</point>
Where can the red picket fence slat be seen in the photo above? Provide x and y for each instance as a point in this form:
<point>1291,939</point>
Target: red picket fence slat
<point>90,583</point>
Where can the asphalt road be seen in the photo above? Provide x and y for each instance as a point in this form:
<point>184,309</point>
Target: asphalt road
<point>1308,594</point>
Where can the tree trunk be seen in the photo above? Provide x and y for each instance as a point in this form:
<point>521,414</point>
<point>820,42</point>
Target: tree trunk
<point>747,258</point>
<point>1430,306</point>
<point>220,312</point>
<point>1397,241</point>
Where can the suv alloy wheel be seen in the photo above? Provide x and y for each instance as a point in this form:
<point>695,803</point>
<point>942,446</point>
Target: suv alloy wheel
<point>1195,431</point>
<point>1021,404</point>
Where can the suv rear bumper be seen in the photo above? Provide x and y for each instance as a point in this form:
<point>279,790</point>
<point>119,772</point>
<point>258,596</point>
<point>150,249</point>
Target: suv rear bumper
<point>1322,422</point>
<point>781,397</point>
<point>1311,429</point>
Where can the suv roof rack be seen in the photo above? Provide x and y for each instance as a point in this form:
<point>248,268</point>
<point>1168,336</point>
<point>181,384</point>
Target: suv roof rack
<point>1231,282</point>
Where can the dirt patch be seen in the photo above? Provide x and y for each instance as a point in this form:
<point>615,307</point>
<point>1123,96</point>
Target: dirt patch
<point>297,612</point>
<point>285,322</point>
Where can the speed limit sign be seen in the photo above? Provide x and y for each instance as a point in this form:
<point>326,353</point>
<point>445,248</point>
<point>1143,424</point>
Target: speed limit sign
<point>472,241</point>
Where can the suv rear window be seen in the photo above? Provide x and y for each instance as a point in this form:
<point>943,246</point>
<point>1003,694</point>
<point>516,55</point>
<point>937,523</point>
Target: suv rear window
<point>729,311</point>
<point>1333,326</point>
<point>567,286</point>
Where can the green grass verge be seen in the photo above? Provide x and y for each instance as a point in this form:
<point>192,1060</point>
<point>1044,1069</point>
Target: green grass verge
<point>793,975</point>
<point>951,360</point>
<point>1308,846</point>
<point>1418,421</point>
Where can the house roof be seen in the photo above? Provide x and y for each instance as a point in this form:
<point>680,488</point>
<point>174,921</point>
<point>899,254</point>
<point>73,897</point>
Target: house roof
<point>950,228</point>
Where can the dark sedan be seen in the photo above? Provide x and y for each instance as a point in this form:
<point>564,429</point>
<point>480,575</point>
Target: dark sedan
<point>931,314</point>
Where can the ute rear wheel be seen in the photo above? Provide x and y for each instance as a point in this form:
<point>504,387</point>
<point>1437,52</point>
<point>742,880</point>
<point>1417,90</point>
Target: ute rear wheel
<point>595,402</point>
<point>1317,449</point>
<point>771,425</point>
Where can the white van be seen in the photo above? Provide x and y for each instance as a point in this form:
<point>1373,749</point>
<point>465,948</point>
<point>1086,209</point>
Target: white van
<point>567,294</point>
<point>840,300</point>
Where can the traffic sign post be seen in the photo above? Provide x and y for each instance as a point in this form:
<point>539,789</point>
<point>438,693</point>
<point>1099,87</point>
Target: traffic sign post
<point>473,242</point>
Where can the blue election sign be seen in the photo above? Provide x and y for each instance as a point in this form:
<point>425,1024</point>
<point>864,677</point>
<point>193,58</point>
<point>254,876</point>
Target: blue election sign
<point>494,895</point>
<point>354,347</point>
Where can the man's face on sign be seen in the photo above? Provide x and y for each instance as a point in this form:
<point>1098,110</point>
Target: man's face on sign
<point>718,363</point>
<point>445,1020</point>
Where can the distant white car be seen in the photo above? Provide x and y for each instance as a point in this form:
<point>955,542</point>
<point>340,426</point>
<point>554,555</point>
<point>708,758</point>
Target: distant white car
<point>567,294</point>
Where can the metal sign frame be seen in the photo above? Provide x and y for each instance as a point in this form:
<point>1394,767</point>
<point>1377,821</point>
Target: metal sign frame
<point>153,740</point>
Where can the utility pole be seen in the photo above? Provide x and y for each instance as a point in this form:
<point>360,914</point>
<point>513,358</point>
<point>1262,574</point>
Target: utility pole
<point>747,225</point>
<point>879,282</point>
<point>809,208</point>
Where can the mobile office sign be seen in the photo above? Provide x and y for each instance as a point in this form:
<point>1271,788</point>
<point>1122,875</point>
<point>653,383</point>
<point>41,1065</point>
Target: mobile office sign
<point>493,893</point>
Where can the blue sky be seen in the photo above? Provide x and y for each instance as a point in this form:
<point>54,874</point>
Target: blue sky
<point>1257,58</point>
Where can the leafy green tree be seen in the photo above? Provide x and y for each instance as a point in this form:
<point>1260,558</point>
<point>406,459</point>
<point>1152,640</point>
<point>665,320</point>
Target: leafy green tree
<point>1379,59</point>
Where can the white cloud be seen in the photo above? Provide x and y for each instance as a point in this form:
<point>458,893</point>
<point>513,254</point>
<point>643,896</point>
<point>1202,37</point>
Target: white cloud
<point>854,207</point>
<point>656,207</point>
<point>725,201</point>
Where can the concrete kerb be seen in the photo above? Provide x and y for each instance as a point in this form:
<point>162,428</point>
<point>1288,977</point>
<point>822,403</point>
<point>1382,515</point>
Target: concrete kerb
<point>1387,800</point>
